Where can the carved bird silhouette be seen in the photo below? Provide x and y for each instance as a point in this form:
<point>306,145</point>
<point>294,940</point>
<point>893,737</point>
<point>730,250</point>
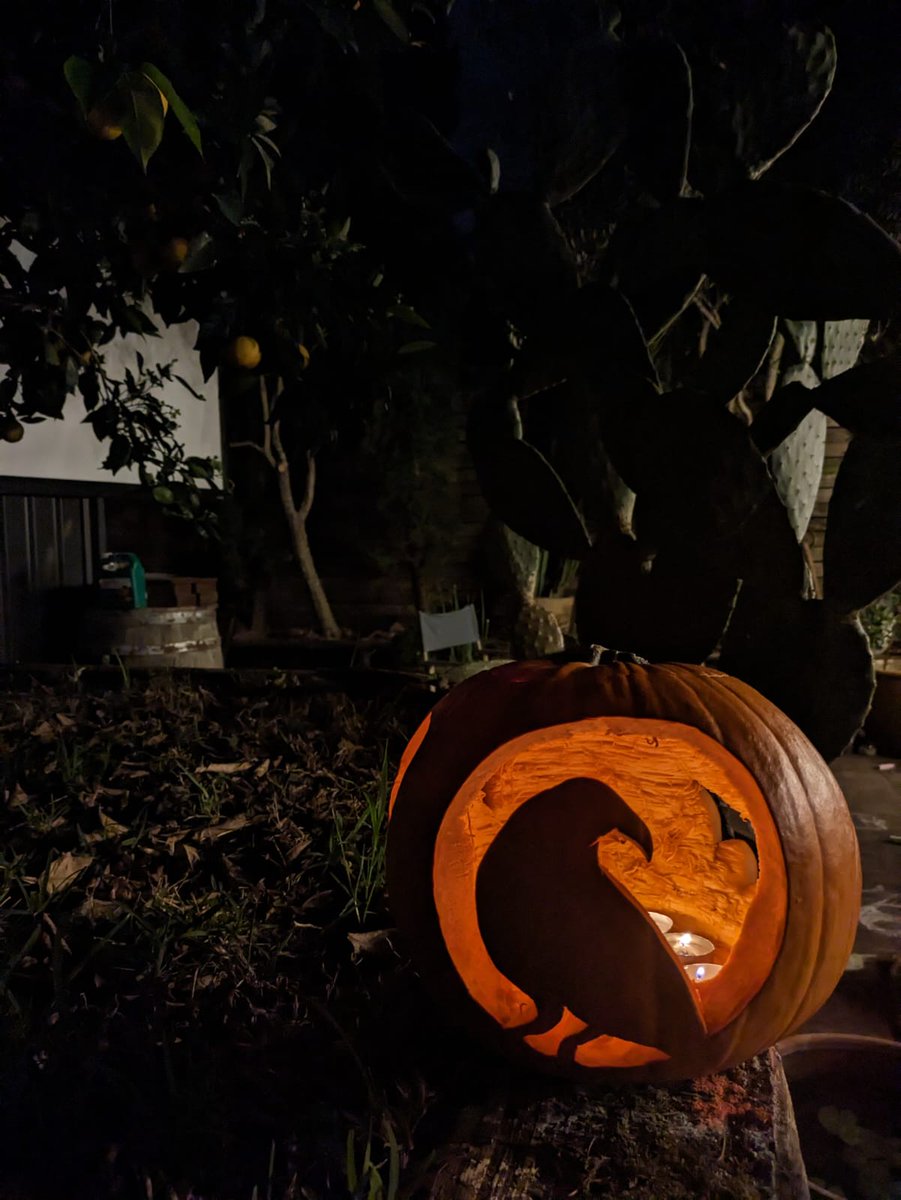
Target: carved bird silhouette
<point>559,928</point>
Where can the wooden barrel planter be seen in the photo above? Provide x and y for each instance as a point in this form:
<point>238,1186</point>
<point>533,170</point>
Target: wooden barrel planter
<point>152,637</point>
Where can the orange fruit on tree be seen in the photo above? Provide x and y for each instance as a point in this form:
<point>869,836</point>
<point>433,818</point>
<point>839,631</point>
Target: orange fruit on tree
<point>174,253</point>
<point>103,123</point>
<point>244,352</point>
<point>12,430</point>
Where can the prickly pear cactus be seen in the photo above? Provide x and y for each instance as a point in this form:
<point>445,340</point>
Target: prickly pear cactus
<point>522,560</point>
<point>803,335</point>
<point>797,464</point>
<point>840,346</point>
<point>536,632</point>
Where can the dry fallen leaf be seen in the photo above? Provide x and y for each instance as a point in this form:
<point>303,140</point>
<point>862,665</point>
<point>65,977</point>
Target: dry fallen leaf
<point>231,768</point>
<point>110,827</point>
<point>217,831</point>
<point>299,846</point>
<point>63,870</point>
<point>99,909</point>
<point>369,943</point>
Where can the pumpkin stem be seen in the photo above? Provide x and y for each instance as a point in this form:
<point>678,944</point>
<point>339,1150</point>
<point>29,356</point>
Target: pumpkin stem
<point>603,654</point>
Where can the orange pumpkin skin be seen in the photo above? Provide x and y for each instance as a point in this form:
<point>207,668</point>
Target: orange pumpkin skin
<point>472,762</point>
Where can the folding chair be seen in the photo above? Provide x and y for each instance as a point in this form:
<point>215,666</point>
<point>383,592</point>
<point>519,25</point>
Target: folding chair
<point>443,631</point>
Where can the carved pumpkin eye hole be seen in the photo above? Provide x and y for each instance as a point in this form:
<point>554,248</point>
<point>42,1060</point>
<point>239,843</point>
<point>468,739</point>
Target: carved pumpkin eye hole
<point>550,859</point>
<point>733,824</point>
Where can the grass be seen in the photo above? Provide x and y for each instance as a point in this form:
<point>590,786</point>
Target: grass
<point>182,1009</point>
<point>358,848</point>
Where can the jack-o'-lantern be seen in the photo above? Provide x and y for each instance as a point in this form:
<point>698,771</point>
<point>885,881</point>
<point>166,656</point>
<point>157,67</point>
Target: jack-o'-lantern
<point>621,871</point>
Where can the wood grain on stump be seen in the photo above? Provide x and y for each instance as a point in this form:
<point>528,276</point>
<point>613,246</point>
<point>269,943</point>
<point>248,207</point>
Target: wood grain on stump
<point>729,1136</point>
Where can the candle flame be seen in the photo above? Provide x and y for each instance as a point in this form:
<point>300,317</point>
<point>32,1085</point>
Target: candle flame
<point>700,973</point>
<point>684,939</point>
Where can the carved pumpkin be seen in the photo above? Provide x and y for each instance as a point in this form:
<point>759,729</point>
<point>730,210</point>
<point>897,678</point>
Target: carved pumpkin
<point>541,812</point>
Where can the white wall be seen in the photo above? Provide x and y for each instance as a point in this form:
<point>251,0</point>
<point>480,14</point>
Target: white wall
<point>67,449</point>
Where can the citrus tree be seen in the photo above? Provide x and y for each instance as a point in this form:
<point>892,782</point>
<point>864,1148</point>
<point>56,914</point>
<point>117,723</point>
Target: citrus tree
<point>178,162</point>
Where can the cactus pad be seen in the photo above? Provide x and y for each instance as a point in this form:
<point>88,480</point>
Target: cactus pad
<point>862,551</point>
<point>797,463</point>
<point>673,608</point>
<point>801,253</point>
<point>812,663</point>
<point>840,346</point>
<point>536,633</point>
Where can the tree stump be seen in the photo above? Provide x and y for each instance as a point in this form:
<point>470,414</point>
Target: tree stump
<point>729,1136</point>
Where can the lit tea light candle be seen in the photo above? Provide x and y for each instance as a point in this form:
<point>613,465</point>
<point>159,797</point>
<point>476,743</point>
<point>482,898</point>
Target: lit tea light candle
<point>702,972</point>
<point>690,945</point>
<point>661,920</point>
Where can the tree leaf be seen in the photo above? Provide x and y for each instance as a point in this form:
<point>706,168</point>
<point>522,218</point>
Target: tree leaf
<point>119,454</point>
<point>193,391</point>
<point>392,19</point>
<point>143,118</point>
<point>137,321</point>
<point>416,347</point>
<point>403,312</point>
<point>180,110</point>
<point>80,75</point>
<point>202,254</point>
<point>267,159</point>
<point>231,206</point>
<point>494,171</point>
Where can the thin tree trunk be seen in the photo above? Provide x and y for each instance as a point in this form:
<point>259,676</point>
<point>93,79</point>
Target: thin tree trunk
<point>297,522</point>
<point>296,515</point>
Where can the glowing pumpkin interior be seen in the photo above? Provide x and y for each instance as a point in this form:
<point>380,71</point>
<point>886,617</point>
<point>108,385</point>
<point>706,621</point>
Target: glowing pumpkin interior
<point>552,854</point>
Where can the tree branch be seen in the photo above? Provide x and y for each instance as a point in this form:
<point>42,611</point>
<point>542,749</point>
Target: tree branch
<point>267,428</point>
<point>253,446</point>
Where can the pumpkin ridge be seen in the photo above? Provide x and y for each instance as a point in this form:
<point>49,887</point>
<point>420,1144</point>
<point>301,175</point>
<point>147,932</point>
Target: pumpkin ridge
<point>807,849</point>
<point>811,997</point>
<point>676,674</point>
<point>742,1032</point>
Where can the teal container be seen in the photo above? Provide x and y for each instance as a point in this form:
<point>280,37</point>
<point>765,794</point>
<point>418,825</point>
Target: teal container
<point>122,581</point>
